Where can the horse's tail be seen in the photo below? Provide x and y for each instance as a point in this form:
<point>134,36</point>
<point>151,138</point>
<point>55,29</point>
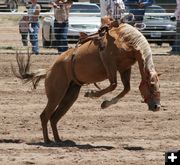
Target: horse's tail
<point>24,70</point>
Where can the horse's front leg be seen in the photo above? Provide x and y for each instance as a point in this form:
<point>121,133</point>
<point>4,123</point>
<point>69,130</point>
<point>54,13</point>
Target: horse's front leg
<point>125,78</point>
<point>111,71</point>
<point>110,88</point>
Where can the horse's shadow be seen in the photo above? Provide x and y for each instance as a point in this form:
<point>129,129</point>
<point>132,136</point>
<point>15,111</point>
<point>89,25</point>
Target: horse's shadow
<point>70,143</point>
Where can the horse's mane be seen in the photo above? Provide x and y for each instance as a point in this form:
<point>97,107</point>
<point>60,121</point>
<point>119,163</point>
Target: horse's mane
<point>128,38</point>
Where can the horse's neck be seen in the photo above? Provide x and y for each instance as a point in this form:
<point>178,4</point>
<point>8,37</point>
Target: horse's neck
<point>146,65</point>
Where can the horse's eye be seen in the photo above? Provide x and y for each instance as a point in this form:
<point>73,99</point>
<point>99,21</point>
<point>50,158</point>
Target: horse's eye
<point>152,85</point>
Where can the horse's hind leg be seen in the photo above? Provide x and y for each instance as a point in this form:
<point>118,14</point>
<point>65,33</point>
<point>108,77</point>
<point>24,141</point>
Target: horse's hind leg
<point>45,116</point>
<point>125,78</point>
<point>68,100</point>
<point>56,88</point>
<point>111,71</point>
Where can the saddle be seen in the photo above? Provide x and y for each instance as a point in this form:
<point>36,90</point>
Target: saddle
<point>97,37</point>
<point>84,37</point>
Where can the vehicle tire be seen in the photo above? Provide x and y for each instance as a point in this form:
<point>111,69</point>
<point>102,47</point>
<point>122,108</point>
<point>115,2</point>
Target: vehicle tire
<point>45,43</point>
<point>159,43</point>
<point>12,6</point>
<point>171,44</point>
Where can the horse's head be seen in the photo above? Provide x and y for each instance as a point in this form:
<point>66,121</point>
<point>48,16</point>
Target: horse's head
<point>150,91</point>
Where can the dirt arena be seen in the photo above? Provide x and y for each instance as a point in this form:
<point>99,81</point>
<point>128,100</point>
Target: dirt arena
<point>124,134</point>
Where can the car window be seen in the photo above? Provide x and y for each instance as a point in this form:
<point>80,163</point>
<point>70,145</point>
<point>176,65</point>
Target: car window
<point>83,8</point>
<point>155,9</point>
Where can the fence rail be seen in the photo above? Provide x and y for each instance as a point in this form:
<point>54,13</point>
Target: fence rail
<point>10,39</point>
<point>75,14</point>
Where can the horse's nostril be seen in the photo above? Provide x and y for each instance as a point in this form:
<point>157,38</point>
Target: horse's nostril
<point>157,107</point>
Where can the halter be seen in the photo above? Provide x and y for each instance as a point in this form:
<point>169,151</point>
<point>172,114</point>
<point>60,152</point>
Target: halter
<point>156,94</point>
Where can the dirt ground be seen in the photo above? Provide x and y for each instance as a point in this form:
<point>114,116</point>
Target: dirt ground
<point>124,134</point>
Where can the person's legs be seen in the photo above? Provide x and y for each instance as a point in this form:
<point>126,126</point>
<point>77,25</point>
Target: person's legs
<point>56,33</point>
<point>34,37</point>
<point>64,41</point>
<point>135,19</point>
<point>138,18</point>
<point>61,30</point>
<point>176,45</point>
<point>24,38</point>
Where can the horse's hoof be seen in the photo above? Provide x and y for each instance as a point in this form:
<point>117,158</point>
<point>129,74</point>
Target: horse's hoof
<point>87,94</point>
<point>105,104</point>
<point>48,141</point>
<point>58,141</point>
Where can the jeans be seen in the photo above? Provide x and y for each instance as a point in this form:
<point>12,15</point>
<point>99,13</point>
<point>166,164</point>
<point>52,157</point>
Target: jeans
<point>61,30</point>
<point>24,38</point>
<point>176,45</point>
<point>138,14</point>
<point>34,37</point>
<point>139,18</point>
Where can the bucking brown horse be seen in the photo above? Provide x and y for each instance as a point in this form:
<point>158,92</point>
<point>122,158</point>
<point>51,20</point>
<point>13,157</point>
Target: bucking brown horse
<point>86,64</point>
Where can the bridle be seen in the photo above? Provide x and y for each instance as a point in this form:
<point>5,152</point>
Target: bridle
<point>153,94</point>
